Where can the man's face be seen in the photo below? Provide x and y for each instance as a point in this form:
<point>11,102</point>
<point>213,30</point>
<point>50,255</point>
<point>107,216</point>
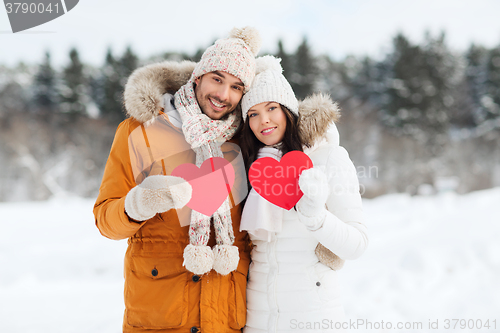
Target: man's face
<point>218,93</point>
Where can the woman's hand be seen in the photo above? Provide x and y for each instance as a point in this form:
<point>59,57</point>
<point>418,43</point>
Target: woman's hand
<point>311,207</point>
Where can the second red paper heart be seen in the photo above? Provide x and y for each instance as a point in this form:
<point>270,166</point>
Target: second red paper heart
<point>278,181</point>
<point>211,183</point>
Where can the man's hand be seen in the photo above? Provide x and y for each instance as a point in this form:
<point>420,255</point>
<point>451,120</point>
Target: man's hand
<point>157,194</point>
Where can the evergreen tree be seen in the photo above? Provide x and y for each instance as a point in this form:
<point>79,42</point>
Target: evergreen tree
<point>491,100</point>
<point>127,64</point>
<point>286,61</point>
<point>404,62</point>
<point>469,111</point>
<point>13,93</point>
<point>440,68</point>
<point>74,91</point>
<point>109,97</point>
<point>420,96</point>
<point>305,72</point>
<point>332,78</point>
<point>45,87</point>
<point>368,81</point>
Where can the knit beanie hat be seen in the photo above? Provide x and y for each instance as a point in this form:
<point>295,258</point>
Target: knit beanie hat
<point>269,85</point>
<point>234,55</point>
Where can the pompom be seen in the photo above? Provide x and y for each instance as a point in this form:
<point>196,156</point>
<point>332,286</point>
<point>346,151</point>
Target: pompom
<point>226,258</point>
<point>198,259</point>
<point>250,36</point>
<point>267,63</point>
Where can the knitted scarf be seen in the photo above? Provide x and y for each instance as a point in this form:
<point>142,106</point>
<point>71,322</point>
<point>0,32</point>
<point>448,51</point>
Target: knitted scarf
<point>206,136</point>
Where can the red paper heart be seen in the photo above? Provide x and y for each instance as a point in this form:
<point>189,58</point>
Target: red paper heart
<point>211,183</point>
<point>278,182</point>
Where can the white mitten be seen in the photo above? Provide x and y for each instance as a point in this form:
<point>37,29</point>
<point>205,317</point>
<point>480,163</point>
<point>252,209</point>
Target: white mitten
<point>157,194</point>
<point>311,207</point>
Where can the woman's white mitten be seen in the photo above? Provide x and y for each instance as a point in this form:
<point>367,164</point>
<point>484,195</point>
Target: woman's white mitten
<point>157,194</point>
<point>311,207</point>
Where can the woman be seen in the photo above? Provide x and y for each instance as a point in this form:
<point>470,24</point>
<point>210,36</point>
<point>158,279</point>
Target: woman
<point>289,288</point>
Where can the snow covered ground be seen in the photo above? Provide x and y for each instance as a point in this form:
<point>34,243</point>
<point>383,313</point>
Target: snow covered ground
<point>430,258</point>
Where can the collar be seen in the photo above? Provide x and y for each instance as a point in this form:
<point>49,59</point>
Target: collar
<point>171,111</point>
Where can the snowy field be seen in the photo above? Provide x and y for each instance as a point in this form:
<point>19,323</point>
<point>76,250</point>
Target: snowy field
<point>430,258</point>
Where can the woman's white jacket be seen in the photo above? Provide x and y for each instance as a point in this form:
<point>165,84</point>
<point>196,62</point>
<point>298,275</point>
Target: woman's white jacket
<point>289,290</point>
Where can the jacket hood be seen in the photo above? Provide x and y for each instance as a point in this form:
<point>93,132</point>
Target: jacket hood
<point>144,90</point>
<point>317,117</point>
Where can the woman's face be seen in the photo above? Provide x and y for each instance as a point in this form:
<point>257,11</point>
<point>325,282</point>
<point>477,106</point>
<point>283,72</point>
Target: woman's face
<point>267,121</point>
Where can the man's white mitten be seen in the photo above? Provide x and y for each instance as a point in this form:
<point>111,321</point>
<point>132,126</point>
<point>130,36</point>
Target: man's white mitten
<point>311,207</point>
<point>157,194</point>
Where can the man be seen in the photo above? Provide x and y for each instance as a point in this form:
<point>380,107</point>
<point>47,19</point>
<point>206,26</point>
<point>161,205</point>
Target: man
<point>177,277</point>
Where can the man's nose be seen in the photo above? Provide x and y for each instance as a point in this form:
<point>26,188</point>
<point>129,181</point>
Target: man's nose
<point>223,92</point>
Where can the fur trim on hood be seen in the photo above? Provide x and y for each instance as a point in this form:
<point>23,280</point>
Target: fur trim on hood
<point>316,114</point>
<point>143,95</point>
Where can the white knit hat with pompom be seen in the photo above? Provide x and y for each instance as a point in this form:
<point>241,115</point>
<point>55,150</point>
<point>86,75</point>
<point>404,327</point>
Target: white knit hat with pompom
<point>234,55</point>
<point>269,85</point>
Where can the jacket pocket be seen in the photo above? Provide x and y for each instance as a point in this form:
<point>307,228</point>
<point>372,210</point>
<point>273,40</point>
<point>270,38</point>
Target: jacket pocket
<point>156,292</point>
<point>237,298</point>
<point>327,285</point>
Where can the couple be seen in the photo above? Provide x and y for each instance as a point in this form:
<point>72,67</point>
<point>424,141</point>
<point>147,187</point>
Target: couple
<point>186,271</point>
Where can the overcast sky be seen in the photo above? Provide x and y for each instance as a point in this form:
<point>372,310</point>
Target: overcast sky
<point>337,28</point>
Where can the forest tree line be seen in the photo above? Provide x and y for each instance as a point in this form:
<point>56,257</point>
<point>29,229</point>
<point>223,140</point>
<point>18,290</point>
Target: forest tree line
<point>422,115</point>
